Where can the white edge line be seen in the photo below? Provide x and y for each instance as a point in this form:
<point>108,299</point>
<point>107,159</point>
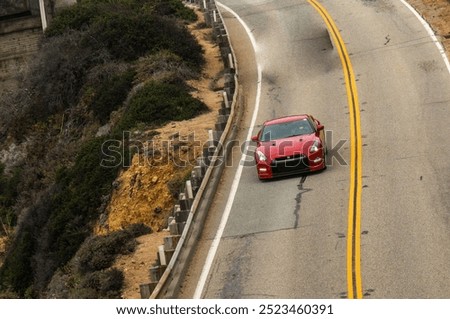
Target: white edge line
<point>216,241</point>
<point>430,32</point>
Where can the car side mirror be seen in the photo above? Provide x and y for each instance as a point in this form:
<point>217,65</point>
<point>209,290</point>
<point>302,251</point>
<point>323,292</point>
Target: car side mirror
<point>320,127</point>
<point>255,138</point>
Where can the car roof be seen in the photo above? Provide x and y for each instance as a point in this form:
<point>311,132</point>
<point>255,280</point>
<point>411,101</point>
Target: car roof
<point>286,119</point>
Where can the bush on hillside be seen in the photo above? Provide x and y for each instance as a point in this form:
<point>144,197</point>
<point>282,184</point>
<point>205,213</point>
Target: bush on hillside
<point>8,195</point>
<point>176,9</point>
<point>87,35</point>
<point>129,37</point>
<point>159,103</point>
<point>16,273</point>
<point>163,66</point>
<point>100,284</point>
<point>58,73</point>
<point>76,17</point>
<point>53,231</point>
<point>99,252</point>
<point>128,31</point>
<point>107,91</point>
<point>76,205</point>
<point>82,15</point>
<point>91,274</point>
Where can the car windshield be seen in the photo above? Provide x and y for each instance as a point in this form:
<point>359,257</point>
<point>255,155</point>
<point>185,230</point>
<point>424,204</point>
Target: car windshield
<point>284,130</point>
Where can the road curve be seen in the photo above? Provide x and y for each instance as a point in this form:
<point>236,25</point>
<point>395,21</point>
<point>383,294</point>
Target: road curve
<point>289,238</point>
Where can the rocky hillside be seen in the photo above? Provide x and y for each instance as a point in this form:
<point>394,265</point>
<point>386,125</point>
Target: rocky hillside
<point>83,141</point>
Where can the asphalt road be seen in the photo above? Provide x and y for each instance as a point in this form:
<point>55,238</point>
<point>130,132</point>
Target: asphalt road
<point>289,238</point>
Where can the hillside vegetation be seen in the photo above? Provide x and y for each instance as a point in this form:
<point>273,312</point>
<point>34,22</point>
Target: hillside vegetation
<point>104,68</point>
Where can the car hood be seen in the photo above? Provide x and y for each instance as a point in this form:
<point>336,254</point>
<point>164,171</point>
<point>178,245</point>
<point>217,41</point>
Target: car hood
<point>287,146</point>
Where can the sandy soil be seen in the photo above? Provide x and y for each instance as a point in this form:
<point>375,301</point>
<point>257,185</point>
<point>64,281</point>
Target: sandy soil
<point>437,14</point>
<point>136,266</point>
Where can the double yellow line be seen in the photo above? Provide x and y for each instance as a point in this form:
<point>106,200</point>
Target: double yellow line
<point>354,203</point>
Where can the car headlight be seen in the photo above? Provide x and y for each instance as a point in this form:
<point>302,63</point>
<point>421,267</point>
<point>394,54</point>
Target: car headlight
<point>261,156</point>
<point>315,147</point>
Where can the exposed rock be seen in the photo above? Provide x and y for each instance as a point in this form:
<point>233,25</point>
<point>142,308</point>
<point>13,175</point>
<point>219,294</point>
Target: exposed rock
<point>103,130</point>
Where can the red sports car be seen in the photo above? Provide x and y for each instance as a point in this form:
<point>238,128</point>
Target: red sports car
<point>290,145</point>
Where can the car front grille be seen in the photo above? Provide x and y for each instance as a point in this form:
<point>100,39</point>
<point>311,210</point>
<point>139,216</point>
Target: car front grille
<point>290,164</point>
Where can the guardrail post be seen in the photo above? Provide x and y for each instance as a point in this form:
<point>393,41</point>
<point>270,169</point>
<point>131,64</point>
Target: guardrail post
<point>162,256</point>
<point>220,126</point>
<point>181,216</point>
<point>216,136</point>
<point>173,227</point>
<point>155,273</point>
<point>170,242</point>
<point>196,178</point>
<point>146,289</point>
<point>202,163</point>
<point>229,86</point>
<point>168,255</point>
<point>189,192</point>
<point>185,203</point>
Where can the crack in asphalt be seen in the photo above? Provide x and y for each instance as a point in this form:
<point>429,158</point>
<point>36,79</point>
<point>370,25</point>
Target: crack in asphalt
<point>298,200</point>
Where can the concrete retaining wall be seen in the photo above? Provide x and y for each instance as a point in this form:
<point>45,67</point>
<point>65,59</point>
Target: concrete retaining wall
<point>19,39</point>
<point>20,33</point>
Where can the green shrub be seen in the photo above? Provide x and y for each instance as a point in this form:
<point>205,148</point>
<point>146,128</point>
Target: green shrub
<point>8,196</point>
<point>100,284</point>
<point>128,31</point>
<point>99,252</point>
<point>8,186</point>
<point>58,73</point>
<point>110,282</point>
<point>164,66</point>
<point>76,17</point>
<point>128,37</point>
<point>16,274</point>
<point>83,14</point>
<point>176,9</point>
<point>89,273</point>
<point>92,33</point>
<point>138,229</point>
<point>110,95</point>
<point>75,205</point>
<point>159,103</point>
